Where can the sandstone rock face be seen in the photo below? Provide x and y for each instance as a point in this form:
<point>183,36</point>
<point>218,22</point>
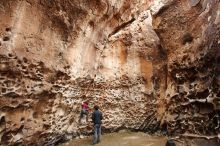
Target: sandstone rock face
<point>189,32</point>
<point>149,65</point>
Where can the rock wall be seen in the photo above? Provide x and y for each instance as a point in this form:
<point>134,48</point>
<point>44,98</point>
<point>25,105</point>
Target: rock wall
<point>149,65</point>
<point>189,32</point>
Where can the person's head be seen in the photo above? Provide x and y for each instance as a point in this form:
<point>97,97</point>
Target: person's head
<point>96,107</point>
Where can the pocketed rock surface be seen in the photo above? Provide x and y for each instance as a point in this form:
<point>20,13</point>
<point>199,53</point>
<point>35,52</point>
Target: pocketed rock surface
<point>151,65</point>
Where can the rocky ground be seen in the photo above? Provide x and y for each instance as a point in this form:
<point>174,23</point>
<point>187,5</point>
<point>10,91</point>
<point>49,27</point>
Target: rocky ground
<point>151,65</point>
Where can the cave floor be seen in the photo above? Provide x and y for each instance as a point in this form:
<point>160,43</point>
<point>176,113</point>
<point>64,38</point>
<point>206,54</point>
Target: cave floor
<point>123,139</point>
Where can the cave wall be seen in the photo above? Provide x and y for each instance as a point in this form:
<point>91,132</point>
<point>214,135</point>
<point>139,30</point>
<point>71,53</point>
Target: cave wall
<point>189,32</point>
<point>149,65</point>
<point>56,54</point>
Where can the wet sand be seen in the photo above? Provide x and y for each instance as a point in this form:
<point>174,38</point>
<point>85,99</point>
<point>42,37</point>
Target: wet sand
<point>123,139</point>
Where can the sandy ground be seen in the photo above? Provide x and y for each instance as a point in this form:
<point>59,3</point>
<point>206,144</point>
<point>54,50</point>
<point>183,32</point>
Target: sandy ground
<point>123,139</point>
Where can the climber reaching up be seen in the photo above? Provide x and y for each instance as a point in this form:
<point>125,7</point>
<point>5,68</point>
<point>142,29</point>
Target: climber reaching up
<point>84,111</point>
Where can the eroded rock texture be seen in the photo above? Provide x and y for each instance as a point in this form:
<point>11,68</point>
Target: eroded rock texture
<point>189,32</point>
<point>57,53</point>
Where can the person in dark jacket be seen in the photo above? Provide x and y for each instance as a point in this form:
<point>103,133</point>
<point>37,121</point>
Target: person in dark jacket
<point>97,121</point>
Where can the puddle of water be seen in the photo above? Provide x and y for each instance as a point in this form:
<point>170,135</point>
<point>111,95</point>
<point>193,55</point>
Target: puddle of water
<point>139,139</point>
<point>122,139</point>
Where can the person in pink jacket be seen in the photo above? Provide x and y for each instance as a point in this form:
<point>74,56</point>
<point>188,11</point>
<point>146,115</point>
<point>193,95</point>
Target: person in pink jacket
<point>84,111</point>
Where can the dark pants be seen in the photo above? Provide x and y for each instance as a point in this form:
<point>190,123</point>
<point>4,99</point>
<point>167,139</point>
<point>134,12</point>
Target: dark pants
<point>97,133</point>
<point>84,112</point>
